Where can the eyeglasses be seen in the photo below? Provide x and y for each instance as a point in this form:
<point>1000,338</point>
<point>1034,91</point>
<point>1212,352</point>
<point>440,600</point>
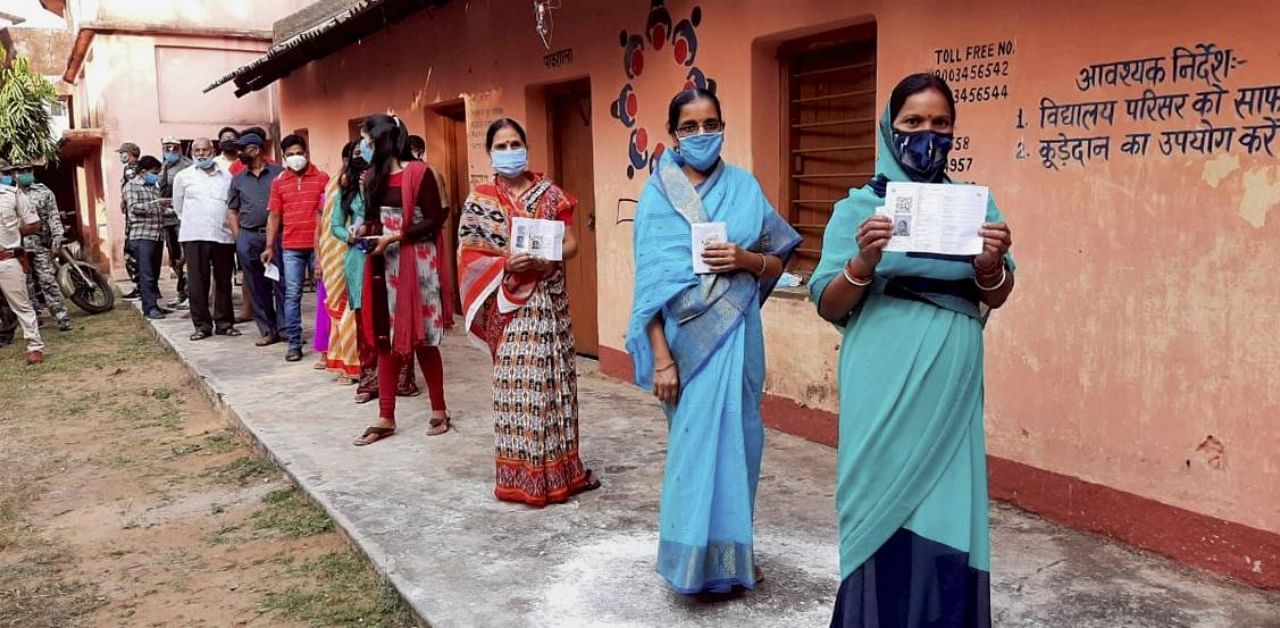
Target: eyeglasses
<point>692,128</point>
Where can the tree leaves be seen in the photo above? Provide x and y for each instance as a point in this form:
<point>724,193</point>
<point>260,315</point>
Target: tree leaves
<point>25,99</point>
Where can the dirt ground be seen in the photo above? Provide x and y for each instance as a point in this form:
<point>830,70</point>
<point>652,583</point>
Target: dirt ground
<point>126,501</point>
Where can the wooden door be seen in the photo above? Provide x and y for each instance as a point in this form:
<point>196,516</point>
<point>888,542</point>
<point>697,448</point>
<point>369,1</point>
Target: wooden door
<point>569,108</point>
<point>456,181</point>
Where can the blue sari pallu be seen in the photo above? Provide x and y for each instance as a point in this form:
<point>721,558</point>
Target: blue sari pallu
<point>712,324</point>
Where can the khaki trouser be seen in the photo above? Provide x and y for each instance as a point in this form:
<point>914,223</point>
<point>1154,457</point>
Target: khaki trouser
<point>13,282</point>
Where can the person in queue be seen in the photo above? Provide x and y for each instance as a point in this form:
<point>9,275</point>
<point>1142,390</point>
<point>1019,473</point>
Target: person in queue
<point>402,289</point>
<point>247,214</point>
<point>297,197</point>
<point>129,154</point>
<point>335,331</point>
<point>200,200</point>
<point>345,224</point>
<point>148,213</point>
<point>703,361</point>
<point>911,477</point>
<point>518,308</point>
<point>42,247</point>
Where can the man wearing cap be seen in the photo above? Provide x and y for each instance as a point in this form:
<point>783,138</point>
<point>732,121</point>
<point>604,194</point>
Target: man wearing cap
<point>129,154</point>
<point>18,220</point>
<point>173,163</point>
<point>247,215</point>
<point>41,246</point>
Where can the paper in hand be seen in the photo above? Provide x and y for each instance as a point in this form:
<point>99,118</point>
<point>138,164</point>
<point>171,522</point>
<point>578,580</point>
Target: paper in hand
<point>272,272</point>
<point>942,219</point>
<point>705,233</point>
<point>543,239</point>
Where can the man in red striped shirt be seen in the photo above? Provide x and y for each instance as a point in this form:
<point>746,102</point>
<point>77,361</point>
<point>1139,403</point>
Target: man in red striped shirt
<point>297,198</point>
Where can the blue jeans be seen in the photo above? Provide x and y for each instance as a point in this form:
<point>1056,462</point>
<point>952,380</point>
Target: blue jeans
<point>150,253</point>
<point>296,262</point>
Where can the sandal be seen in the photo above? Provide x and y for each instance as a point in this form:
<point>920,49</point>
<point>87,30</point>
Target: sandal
<point>230,331</point>
<point>378,433</point>
<point>759,574</point>
<point>320,365</point>
<point>267,341</point>
<point>365,397</point>
<point>439,425</point>
<point>200,335</point>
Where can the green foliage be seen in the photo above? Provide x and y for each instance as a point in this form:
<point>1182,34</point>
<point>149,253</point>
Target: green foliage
<point>25,98</point>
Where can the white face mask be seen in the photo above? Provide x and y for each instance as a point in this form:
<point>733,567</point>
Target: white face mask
<point>296,162</point>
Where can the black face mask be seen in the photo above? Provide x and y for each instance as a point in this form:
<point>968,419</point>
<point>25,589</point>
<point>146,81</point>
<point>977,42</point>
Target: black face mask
<point>227,146</point>
<point>246,159</point>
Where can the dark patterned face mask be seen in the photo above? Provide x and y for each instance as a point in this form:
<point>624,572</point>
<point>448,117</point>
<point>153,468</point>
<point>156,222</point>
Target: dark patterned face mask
<point>923,154</point>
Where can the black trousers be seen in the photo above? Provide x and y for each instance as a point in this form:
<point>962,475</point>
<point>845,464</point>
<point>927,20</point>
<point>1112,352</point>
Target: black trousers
<point>203,258</point>
<point>175,259</point>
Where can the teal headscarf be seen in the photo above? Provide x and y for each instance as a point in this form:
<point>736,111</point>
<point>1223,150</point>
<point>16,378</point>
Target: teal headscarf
<point>840,243</point>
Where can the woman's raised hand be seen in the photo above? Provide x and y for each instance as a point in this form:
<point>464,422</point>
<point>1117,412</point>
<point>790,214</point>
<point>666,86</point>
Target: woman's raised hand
<point>873,236</point>
<point>996,240</point>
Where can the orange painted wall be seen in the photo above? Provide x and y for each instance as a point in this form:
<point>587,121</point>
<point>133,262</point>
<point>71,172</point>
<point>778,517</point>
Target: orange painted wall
<point>1139,349</point>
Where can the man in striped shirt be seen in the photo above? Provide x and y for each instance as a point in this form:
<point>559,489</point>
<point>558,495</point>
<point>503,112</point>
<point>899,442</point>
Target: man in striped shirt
<point>297,198</point>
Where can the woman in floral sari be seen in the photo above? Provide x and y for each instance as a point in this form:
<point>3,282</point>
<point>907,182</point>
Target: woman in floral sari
<point>696,341</point>
<point>518,311</point>
<point>911,473</point>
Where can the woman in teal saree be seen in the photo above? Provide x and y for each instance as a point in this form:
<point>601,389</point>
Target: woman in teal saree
<point>911,479</point>
<point>696,342</point>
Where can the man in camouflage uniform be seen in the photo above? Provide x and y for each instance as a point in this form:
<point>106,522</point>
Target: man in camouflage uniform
<point>43,278</point>
<point>174,162</point>
<point>129,154</point>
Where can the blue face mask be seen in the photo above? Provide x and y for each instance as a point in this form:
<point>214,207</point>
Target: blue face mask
<point>701,151</point>
<point>205,163</point>
<point>922,154</point>
<point>366,151</point>
<point>6,180</point>
<point>510,163</point>
<point>171,158</point>
<point>151,178</point>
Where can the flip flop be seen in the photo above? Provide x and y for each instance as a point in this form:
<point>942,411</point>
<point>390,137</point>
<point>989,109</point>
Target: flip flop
<point>378,433</point>
<point>439,425</point>
<point>200,335</point>
<point>267,341</point>
<point>593,482</point>
<point>365,397</point>
<point>230,331</point>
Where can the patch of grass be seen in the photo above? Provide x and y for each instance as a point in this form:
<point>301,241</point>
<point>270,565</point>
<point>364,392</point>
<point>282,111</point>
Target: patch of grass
<point>221,535</point>
<point>184,449</point>
<point>220,443</point>
<point>244,470</point>
<point>345,593</point>
<point>291,514</point>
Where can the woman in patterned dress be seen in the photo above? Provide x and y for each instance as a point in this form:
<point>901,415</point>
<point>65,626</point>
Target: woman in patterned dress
<point>517,309</point>
<point>402,287</point>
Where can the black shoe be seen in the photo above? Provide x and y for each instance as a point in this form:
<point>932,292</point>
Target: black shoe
<point>294,355</point>
<point>132,295</point>
<point>157,315</point>
<point>164,310</point>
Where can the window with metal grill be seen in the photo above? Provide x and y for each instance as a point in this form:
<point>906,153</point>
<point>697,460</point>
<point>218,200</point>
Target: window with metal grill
<point>829,128</point>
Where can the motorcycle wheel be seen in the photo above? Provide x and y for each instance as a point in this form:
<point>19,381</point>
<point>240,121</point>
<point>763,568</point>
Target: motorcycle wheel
<point>96,297</point>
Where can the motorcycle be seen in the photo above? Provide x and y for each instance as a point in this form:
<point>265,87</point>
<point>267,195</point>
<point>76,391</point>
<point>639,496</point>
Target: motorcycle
<point>82,282</point>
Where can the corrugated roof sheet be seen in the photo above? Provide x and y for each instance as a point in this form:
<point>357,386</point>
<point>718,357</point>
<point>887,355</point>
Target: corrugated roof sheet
<point>360,20</point>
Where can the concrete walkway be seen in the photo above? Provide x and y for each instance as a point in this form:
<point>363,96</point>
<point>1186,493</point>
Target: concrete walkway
<point>424,513</point>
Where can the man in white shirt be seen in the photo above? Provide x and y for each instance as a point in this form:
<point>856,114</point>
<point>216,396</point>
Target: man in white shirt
<point>18,220</point>
<point>200,200</point>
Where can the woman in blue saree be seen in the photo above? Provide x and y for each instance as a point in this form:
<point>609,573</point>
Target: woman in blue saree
<point>696,342</point>
<point>911,478</point>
